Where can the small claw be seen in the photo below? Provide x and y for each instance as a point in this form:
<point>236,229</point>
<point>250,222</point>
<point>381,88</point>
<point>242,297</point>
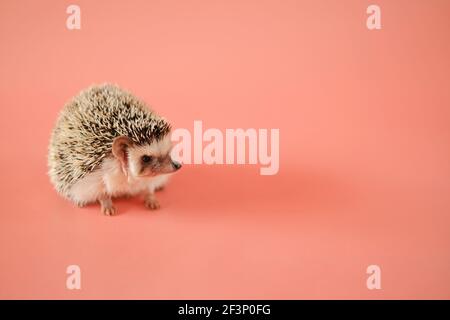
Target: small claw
<point>152,204</point>
<point>108,211</point>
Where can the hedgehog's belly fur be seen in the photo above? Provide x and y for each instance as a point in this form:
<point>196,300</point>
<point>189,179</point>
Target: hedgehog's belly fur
<point>110,180</point>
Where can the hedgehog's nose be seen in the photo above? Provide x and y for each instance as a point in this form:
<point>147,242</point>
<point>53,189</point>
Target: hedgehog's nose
<point>176,165</point>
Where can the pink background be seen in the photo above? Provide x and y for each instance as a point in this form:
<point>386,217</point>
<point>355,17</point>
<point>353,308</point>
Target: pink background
<point>364,152</point>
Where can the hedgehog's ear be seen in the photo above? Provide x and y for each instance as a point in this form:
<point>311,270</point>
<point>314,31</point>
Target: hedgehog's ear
<point>120,151</point>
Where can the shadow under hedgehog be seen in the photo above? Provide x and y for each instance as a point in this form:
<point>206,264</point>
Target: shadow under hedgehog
<point>106,144</point>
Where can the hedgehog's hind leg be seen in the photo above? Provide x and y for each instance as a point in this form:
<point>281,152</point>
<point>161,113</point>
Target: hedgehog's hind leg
<point>90,189</point>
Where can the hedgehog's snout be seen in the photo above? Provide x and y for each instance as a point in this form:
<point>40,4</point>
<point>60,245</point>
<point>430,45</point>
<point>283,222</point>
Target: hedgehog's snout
<point>176,165</point>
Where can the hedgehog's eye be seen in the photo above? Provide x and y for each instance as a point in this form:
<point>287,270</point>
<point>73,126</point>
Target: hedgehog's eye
<point>146,158</point>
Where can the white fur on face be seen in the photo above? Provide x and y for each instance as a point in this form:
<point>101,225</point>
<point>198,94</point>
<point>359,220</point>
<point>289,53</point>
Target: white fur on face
<point>155,149</point>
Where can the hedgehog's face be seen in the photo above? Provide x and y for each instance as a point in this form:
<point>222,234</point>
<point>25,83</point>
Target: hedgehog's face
<point>146,160</point>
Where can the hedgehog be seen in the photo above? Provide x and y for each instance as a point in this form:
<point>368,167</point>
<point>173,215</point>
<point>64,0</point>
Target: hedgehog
<point>106,144</point>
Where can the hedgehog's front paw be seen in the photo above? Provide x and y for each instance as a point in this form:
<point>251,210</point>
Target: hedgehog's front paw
<point>109,211</point>
<point>108,208</point>
<point>81,204</point>
<point>152,203</point>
